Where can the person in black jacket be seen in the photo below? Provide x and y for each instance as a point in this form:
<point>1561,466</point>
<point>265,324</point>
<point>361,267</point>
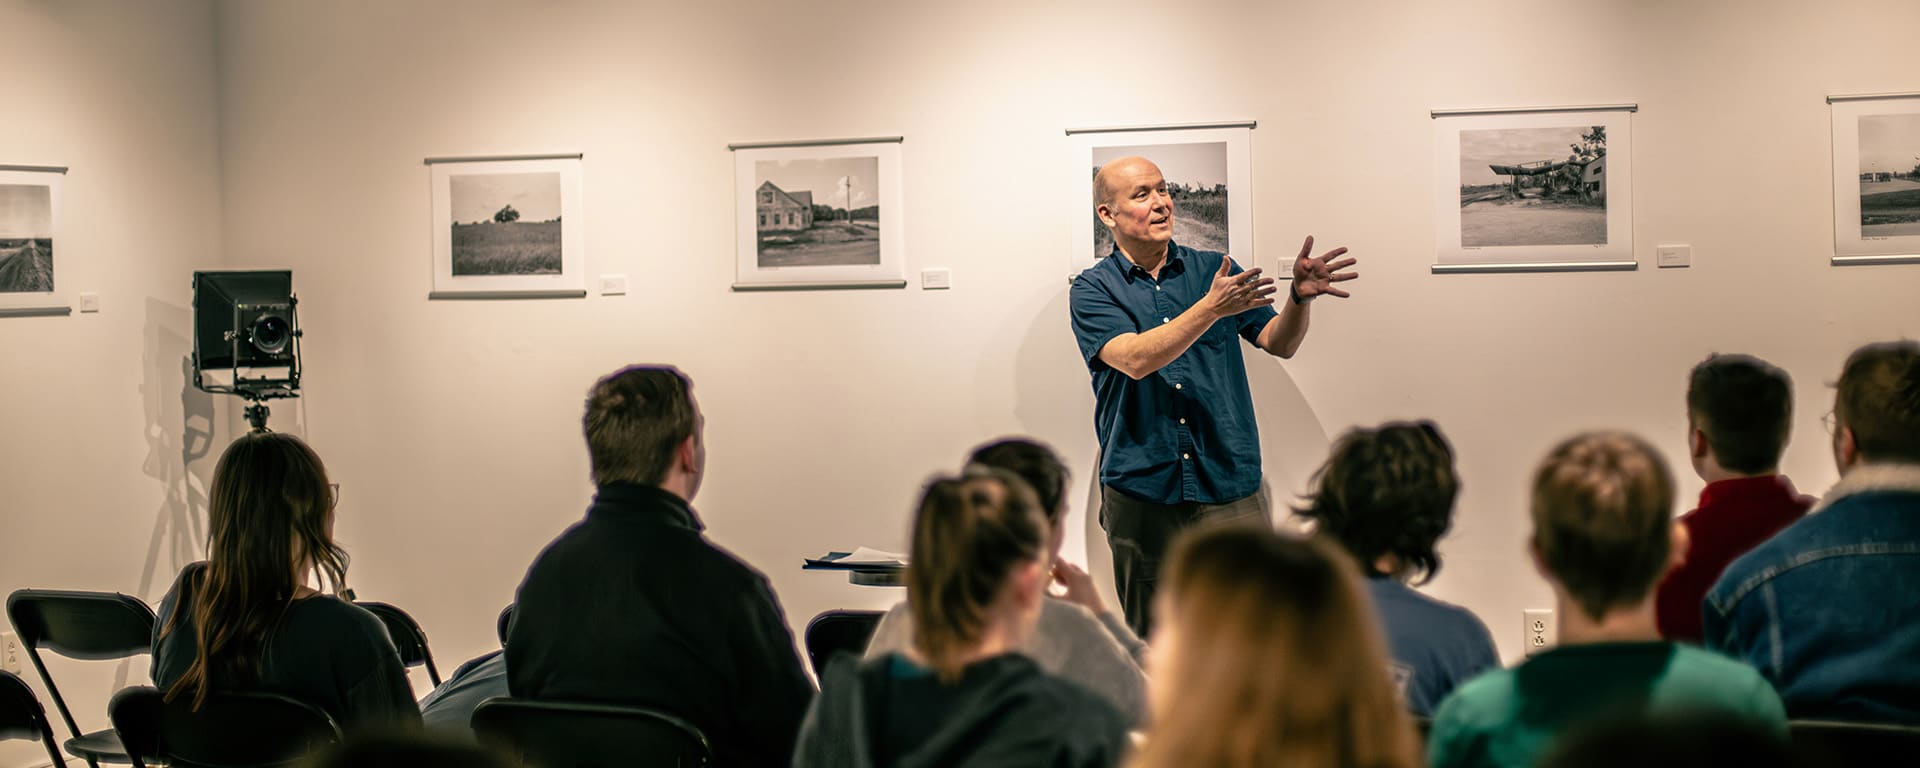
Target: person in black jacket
<point>245,619</point>
<point>962,694</point>
<point>633,606</point>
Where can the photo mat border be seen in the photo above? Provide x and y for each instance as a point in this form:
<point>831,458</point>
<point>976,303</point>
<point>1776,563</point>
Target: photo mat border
<point>1081,143</point>
<point>1617,254</point>
<point>571,283</point>
<point>1850,247</point>
<point>890,273</point>
<point>57,302</point>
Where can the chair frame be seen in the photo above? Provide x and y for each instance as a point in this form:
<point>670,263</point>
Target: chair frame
<point>492,714</point>
<point>819,664</point>
<point>24,612</point>
<point>396,619</point>
<point>36,727</point>
<point>147,739</point>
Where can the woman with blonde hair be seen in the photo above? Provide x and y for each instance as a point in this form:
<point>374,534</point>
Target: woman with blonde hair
<point>1265,654</point>
<point>245,618</point>
<point>962,694</point>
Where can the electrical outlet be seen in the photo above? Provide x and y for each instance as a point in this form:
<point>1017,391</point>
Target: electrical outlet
<point>1538,631</point>
<point>11,654</point>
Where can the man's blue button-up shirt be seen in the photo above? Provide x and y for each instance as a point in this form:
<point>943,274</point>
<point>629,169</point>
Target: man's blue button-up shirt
<point>1186,432</point>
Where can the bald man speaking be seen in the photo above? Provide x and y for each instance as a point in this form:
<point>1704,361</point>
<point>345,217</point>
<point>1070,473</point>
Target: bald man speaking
<point>1158,324</point>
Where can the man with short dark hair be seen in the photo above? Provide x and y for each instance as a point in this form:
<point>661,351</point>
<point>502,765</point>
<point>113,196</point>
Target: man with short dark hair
<point>1159,326</point>
<point>1827,610</point>
<point>1602,537</point>
<point>634,606</point>
<point>1739,414</point>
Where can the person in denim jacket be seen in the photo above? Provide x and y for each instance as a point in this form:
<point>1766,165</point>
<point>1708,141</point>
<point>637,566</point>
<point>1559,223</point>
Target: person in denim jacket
<point>1827,610</point>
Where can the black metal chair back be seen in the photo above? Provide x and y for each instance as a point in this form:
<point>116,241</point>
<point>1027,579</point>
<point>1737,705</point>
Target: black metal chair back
<point>839,632</point>
<point>407,636</point>
<point>229,730</point>
<point>22,717</point>
<point>552,734</point>
<point>91,626</point>
<point>1844,743</point>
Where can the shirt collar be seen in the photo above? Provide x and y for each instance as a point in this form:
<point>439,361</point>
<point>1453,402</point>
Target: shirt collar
<point>1131,271</point>
<point>633,501</point>
<point>1721,491</point>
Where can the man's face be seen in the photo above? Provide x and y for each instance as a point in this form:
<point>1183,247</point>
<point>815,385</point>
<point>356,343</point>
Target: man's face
<point>1136,203</point>
<point>699,468</point>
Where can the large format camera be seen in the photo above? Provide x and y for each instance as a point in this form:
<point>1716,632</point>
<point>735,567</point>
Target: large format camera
<point>246,337</point>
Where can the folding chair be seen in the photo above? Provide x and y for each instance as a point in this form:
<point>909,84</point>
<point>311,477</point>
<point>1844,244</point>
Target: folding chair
<point>839,631</point>
<point>90,626</point>
<point>22,717</point>
<point>552,734</point>
<point>407,637</point>
<point>229,730</point>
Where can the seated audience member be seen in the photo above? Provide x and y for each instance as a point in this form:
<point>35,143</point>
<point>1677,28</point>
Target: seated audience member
<point>633,606</point>
<point>245,619</point>
<point>1827,610</point>
<point>1078,637</point>
<point>1603,535</point>
<point>962,694</point>
<point>1265,653</point>
<point>1739,413</point>
<point>449,707</point>
<point>1386,495</point>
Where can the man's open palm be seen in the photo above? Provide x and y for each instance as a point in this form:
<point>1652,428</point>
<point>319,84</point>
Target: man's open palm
<point>1316,275</point>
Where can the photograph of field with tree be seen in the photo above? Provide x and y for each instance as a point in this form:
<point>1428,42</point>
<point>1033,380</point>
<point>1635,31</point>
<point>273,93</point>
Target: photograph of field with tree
<point>1533,186</point>
<point>505,223</point>
<point>26,238</point>
<point>1889,175</point>
<point>1196,175</point>
<point>817,212</point>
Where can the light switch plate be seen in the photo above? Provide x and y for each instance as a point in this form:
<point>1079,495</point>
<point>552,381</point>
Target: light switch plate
<point>89,302</point>
<point>613,285</point>
<point>1674,255</point>
<point>936,279</point>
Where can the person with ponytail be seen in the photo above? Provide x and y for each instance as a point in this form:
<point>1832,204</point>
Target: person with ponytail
<point>1265,653</point>
<point>246,619</point>
<point>962,694</point>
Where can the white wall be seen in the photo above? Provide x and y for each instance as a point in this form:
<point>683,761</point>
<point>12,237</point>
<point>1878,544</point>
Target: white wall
<point>453,425</point>
<point>95,409</point>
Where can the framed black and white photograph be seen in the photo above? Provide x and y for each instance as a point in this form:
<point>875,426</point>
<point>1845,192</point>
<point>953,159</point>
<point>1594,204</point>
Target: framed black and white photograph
<point>1209,173</point>
<point>508,227</point>
<point>819,214</point>
<point>1534,189</point>
<point>1876,179</point>
<point>32,253</point>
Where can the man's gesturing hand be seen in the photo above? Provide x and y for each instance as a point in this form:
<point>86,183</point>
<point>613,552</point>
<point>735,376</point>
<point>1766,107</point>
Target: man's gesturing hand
<point>1232,294</point>
<point>1313,276</point>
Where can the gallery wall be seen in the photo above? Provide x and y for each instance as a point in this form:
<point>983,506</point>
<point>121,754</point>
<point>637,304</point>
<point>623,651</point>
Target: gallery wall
<point>273,133</point>
<point>97,458</point>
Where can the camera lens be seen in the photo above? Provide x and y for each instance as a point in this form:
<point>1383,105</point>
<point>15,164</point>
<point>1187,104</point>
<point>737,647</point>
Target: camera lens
<point>269,334</point>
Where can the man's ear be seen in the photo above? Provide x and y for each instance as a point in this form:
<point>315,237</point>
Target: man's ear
<point>1104,212</point>
<point>1533,554</point>
<point>1696,441</point>
<point>1845,448</point>
<point>687,454</point>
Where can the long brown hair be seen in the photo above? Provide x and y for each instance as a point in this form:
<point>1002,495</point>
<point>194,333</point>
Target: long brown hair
<point>970,533</point>
<point>1275,660</point>
<point>270,499</point>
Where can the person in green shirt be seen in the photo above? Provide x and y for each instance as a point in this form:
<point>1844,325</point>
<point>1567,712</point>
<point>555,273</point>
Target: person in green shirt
<point>1603,535</point>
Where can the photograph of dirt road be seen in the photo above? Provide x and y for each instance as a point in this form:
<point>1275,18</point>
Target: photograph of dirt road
<point>1196,177</point>
<point>817,212</point>
<point>505,223</point>
<point>1889,175</point>
<point>26,238</point>
<point>1533,186</point>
